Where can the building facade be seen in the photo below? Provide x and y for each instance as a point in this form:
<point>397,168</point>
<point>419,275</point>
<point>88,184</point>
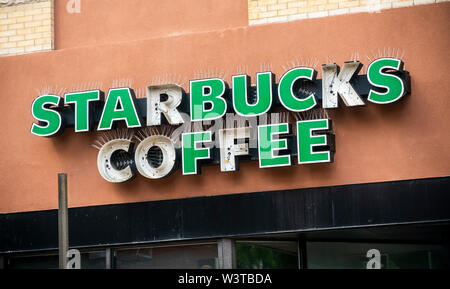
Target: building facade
<point>378,200</point>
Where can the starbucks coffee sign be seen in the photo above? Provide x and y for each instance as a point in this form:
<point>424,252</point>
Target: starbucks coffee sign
<point>276,124</point>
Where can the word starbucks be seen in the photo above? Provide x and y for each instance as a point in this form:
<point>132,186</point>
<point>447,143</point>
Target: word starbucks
<point>209,100</point>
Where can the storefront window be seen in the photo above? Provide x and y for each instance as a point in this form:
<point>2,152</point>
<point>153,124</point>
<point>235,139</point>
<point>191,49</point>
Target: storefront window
<point>93,260</point>
<point>89,260</point>
<point>33,262</point>
<point>342,255</point>
<point>179,257</point>
<point>266,255</point>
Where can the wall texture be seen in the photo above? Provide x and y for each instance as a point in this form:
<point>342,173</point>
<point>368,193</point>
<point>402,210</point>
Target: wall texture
<point>104,21</point>
<point>26,28</point>
<point>269,11</point>
<point>404,140</point>
<point>4,3</point>
<point>38,25</point>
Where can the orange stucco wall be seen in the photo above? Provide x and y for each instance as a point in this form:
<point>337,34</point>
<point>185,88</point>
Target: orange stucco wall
<point>110,21</point>
<point>405,140</point>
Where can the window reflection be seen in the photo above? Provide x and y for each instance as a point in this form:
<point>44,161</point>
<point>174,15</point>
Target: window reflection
<point>341,255</point>
<point>266,255</point>
<point>93,260</point>
<point>33,262</point>
<point>89,260</point>
<point>179,257</point>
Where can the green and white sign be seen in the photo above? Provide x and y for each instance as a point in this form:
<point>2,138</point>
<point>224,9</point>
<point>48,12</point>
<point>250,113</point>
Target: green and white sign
<point>172,129</point>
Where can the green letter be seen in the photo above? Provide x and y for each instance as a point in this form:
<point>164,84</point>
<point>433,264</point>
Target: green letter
<point>190,154</point>
<point>285,87</point>
<point>41,111</point>
<point>392,83</point>
<point>263,94</point>
<point>127,110</point>
<point>267,146</point>
<point>306,141</point>
<point>81,100</point>
<point>207,91</point>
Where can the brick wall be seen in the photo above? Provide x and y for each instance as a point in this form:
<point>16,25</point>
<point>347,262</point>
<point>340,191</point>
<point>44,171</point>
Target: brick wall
<point>268,11</point>
<point>25,28</point>
<point>28,25</point>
